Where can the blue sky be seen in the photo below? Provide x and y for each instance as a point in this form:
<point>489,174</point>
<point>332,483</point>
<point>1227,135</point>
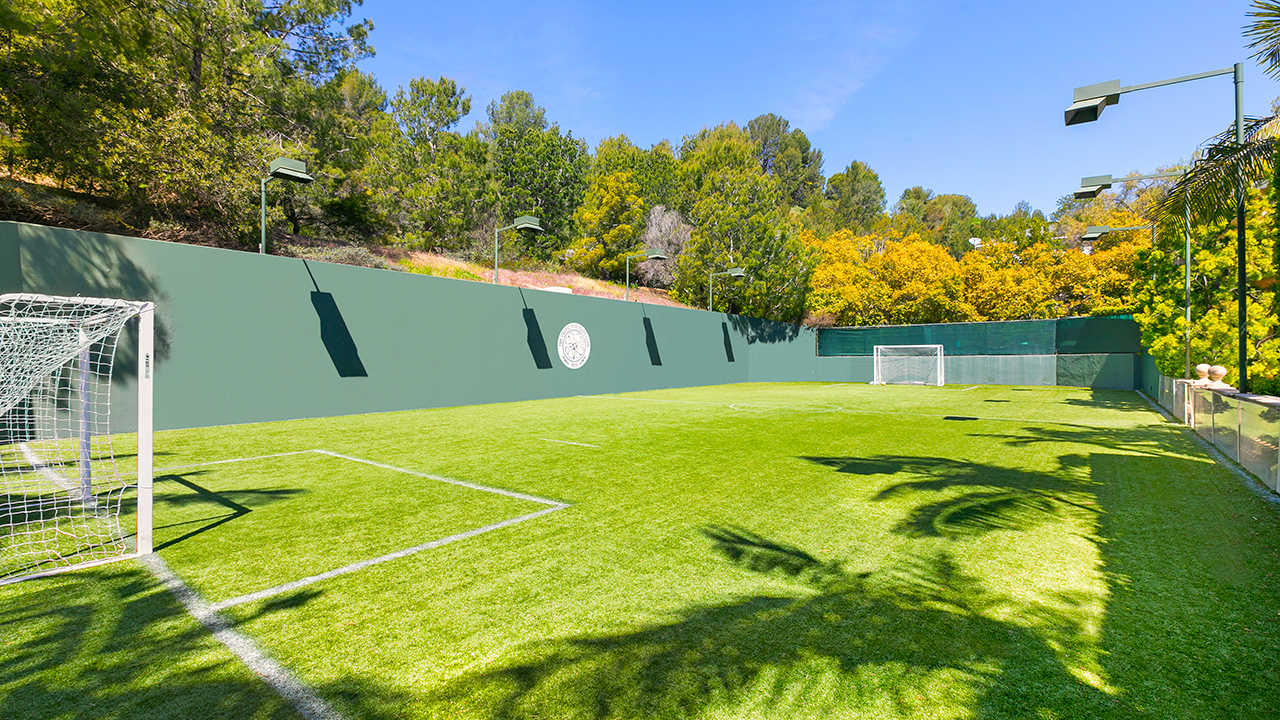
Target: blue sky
<point>960,97</point>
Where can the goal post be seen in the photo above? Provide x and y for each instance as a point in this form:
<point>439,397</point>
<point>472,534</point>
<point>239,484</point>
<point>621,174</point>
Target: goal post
<point>63,488</point>
<point>908,365</point>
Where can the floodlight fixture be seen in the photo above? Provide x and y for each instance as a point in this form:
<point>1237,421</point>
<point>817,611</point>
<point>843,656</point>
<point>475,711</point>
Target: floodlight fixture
<point>648,254</point>
<point>1088,103</point>
<point>975,242</point>
<point>522,222</point>
<point>1091,186</point>
<point>289,169</point>
<point>282,168</point>
<point>1093,232</point>
<point>734,272</point>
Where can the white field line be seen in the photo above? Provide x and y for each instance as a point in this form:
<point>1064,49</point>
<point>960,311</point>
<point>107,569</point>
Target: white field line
<point>233,460</point>
<point>463,483</point>
<point>975,387</point>
<point>49,473</point>
<point>619,397</point>
<point>361,565</point>
<point>567,442</point>
<point>303,699</point>
<point>859,411</point>
<point>836,385</point>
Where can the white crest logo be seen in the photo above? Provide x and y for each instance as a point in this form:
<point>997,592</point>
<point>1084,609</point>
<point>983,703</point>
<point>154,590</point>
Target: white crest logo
<point>574,346</point>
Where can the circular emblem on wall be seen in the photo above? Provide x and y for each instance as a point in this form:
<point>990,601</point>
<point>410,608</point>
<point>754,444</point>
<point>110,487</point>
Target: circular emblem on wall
<point>574,346</point>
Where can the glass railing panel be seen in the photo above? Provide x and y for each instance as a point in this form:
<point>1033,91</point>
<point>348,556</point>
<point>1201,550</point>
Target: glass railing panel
<point>1259,439</point>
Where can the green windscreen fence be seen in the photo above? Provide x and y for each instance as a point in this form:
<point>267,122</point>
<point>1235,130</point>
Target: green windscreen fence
<point>1065,336</point>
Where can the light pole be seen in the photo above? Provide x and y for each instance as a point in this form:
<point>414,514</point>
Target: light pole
<point>1091,186</point>
<point>731,272</point>
<point>524,222</point>
<point>284,169</point>
<point>1089,102</point>
<point>648,254</point>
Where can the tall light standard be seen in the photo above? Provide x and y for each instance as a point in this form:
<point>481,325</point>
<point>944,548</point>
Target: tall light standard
<point>1089,102</point>
<point>731,272</point>
<point>283,169</point>
<point>1091,186</point>
<point>648,254</point>
<point>524,222</point>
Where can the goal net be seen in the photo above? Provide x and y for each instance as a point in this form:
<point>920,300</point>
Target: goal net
<point>908,365</point>
<point>62,491</point>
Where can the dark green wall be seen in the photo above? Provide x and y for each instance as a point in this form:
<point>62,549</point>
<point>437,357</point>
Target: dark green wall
<point>245,338</point>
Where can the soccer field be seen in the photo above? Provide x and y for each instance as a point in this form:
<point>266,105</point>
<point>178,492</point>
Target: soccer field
<point>800,550</point>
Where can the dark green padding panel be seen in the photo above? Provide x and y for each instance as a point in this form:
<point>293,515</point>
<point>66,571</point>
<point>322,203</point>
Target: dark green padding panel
<point>1014,337</point>
<point>1115,371</point>
<point>1095,335</point>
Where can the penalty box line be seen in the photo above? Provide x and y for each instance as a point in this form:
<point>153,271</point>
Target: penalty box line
<point>284,683</point>
<point>552,506</point>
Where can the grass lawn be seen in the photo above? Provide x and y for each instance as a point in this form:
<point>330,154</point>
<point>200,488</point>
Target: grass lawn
<point>744,551</point>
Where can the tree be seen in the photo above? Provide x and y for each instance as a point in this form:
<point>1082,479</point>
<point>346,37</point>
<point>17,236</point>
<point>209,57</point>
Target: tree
<point>433,186</point>
<point>611,218</point>
<point>876,280</point>
<point>738,224</point>
<point>724,147</point>
<point>172,108</point>
<point>1160,297</point>
<point>429,108</point>
<point>655,170</point>
<point>798,167</point>
<point>1023,227</point>
<point>767,132</point>
<point>542,173</point>
<point>787,155</point>
<point>664,230</point>
<point>515,110</point>
<point>856,196</point>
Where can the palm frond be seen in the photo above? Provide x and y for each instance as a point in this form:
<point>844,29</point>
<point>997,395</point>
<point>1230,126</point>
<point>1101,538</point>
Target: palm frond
<point>1214,178</point>
<point>1265,32</point>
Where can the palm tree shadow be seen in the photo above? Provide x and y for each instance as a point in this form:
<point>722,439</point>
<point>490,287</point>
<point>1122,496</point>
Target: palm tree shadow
<point>112,642</point>
<point>981,498</point>
<point>838,644</point>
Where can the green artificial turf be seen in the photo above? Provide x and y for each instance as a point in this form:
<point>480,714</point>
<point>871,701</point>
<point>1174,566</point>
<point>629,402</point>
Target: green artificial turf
<point>742,551</point>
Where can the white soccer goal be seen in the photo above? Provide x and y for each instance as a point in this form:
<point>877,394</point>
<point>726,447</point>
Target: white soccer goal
<point>61,491</point>
<point>908,365</point>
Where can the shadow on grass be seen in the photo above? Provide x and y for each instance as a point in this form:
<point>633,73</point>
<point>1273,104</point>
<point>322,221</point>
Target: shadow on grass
<point>990,498</point>
<point>905,641</point>
<point>1192,561</point>
<point>1123,400</point>
<point>1151,441</point>
<point>228,505</point>
<point>1189,558</point>
<point>110,642</point>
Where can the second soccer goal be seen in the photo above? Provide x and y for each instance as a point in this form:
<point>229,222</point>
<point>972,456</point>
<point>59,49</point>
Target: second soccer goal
<point>908,365</point>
